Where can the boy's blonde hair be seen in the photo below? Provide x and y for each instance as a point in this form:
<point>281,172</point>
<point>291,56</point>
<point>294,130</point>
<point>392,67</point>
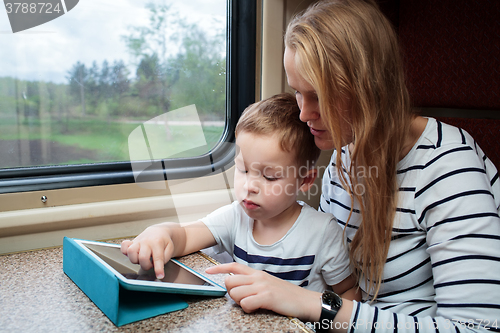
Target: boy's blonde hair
<point>279,115</point>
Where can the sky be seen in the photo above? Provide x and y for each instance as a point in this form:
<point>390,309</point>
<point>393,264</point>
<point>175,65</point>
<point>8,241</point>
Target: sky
<point>89,32</point>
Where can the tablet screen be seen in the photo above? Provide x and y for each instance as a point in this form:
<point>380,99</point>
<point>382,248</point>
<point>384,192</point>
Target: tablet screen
<point>174,273</point>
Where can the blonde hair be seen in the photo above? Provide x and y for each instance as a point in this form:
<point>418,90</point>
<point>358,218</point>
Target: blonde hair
<point>348,51</point>
<point>279,115</point>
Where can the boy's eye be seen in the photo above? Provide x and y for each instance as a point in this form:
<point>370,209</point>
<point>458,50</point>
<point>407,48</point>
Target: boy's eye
<point>241,170</point>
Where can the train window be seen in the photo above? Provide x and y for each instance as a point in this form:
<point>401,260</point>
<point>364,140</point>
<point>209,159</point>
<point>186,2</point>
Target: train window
<point>90,89</point>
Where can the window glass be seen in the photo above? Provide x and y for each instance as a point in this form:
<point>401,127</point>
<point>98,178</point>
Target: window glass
<point>78,86</point>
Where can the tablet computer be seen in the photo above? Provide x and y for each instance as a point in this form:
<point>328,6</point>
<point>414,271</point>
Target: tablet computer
<point>179,279</point>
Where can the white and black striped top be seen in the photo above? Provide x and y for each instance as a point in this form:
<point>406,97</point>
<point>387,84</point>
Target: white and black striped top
<point>443,265</point>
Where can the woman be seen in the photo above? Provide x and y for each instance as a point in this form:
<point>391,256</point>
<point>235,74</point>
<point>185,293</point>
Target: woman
<point>418,199</point>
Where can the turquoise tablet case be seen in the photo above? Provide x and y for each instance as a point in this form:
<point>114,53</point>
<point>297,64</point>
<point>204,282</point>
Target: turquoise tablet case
<point>121,306</point>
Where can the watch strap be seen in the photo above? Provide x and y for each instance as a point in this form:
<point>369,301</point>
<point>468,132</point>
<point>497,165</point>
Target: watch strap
<point>330,306</point>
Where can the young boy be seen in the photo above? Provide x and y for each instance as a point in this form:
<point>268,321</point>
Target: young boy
<point>266,228</point>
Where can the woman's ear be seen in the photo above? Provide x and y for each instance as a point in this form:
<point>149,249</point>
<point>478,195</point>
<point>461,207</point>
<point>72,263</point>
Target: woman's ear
<point>308,180</point>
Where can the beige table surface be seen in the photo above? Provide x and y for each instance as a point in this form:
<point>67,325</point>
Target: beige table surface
<point>36,296</point>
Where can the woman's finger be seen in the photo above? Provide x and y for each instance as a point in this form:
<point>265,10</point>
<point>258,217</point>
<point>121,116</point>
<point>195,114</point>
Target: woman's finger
<point>252,292</point>
<point>233,281</point>
<point>233,268</point>
<point>242,291</point>
<point>252,303</point>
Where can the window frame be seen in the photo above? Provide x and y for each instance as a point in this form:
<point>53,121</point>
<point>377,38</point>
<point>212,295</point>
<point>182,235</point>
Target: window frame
<point>240,92</point>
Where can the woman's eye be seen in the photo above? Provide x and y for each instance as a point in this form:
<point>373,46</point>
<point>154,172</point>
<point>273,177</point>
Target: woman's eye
<point>241,170</point>
<point>271,179</point>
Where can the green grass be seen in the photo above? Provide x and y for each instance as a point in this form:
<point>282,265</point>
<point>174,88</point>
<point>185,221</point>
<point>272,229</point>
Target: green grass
<point>107,140</point>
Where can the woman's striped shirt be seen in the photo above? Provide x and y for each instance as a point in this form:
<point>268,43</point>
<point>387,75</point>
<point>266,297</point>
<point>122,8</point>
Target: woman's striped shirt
<point>443,266</point>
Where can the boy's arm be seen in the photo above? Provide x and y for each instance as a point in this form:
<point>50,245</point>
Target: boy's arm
<point>348,289</point>
<point>336,258</point>
<point>158,243</point>
<point>198,236</point>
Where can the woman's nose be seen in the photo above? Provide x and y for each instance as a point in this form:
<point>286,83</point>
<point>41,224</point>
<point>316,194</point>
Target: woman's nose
<point>308,110</point>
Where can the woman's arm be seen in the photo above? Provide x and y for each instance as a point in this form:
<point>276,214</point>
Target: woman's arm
<point>253,289</point>
<point>348,289</point>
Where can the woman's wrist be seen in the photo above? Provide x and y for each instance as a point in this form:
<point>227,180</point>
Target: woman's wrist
<point>343,317</point>
<point>311,306</point>
<point>331,320</point>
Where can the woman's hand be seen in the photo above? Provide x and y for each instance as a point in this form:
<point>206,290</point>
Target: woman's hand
<point>155,242</point>
<point>253,289</point>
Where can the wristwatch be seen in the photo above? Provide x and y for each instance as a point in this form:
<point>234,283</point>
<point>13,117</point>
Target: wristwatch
<point>330,305</point>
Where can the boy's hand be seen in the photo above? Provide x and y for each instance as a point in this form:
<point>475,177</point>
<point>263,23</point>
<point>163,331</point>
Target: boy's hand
<point>155,243</point>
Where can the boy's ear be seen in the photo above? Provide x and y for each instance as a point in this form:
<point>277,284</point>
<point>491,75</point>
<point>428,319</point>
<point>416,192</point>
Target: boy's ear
<point>308,181</point>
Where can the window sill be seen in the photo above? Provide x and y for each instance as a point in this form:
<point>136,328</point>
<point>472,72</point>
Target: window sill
<point>45,227</point>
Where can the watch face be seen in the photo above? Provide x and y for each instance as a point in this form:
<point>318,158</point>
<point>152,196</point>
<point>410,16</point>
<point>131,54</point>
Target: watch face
<point>332,300</point>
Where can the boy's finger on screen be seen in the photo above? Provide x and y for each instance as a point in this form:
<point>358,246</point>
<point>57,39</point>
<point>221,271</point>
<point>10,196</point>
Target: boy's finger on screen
<point>158,260</point>
<point>160,256</point>
<point>159,268</point>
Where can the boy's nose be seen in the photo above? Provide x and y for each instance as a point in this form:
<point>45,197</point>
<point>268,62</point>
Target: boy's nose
<point>251,186</point>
